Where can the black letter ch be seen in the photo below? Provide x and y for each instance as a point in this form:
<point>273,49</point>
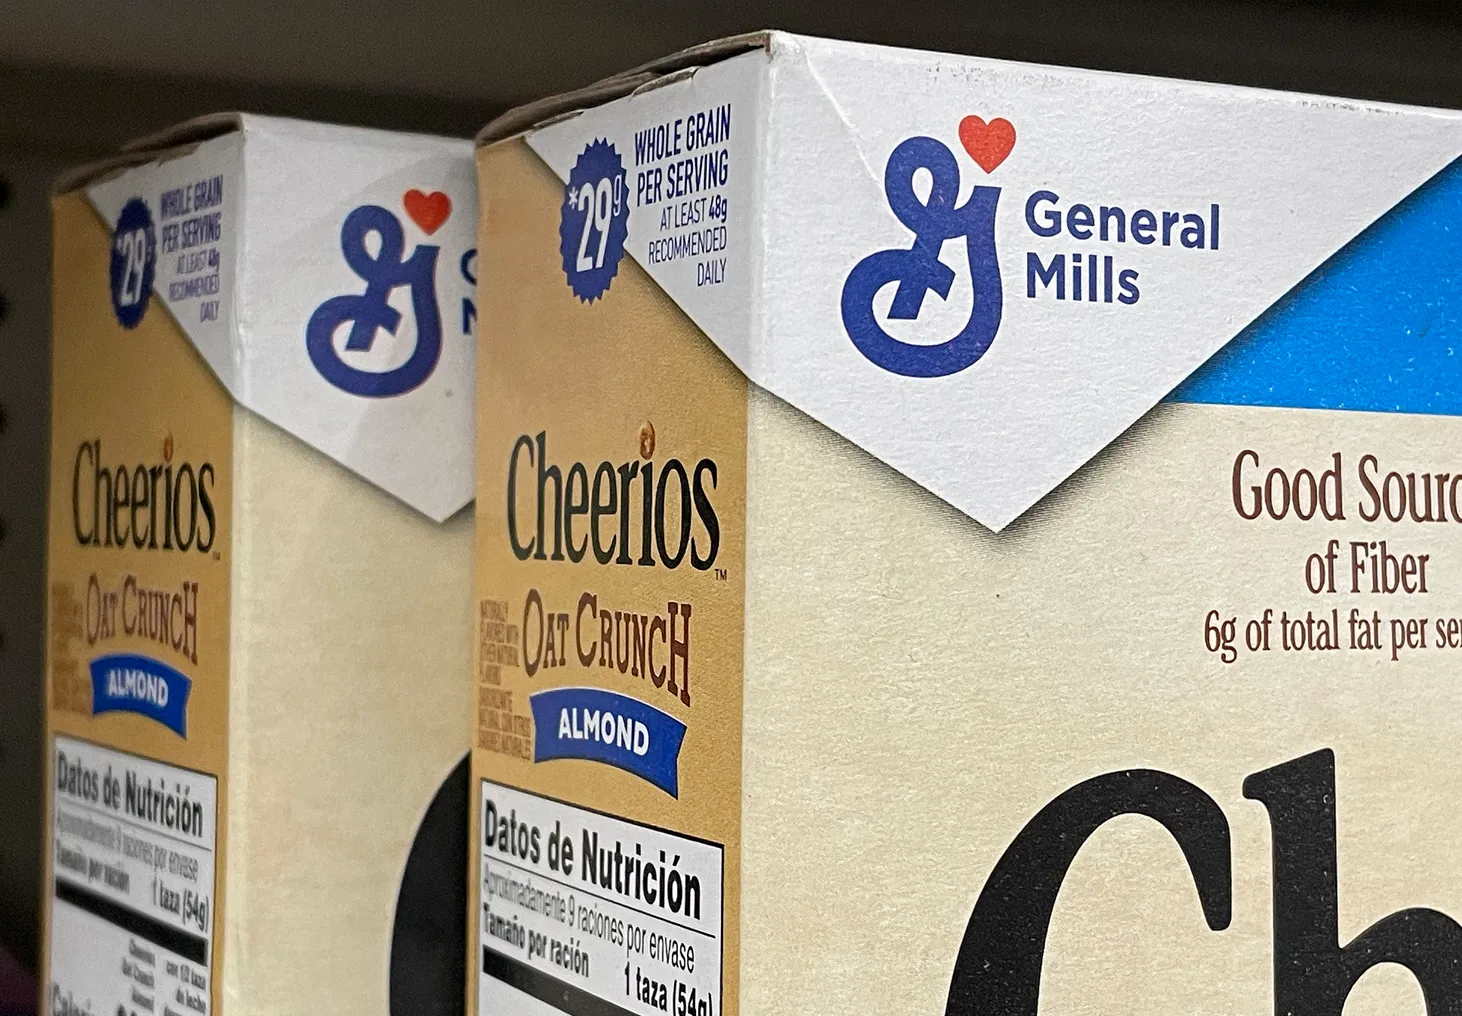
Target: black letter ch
<point>998,970</point>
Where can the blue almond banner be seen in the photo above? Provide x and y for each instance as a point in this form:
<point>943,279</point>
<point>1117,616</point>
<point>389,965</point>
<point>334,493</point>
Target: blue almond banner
<point>604,726</point>
<point>127,683</point>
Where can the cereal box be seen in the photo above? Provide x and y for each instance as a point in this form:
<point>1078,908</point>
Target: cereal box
<point>259,588</point>
<point>966,537</point>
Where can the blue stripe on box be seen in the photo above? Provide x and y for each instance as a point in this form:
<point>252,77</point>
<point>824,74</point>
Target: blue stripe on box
<point>1378,327</point>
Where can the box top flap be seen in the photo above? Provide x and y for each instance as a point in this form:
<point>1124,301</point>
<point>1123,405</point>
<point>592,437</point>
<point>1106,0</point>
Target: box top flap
<point>324,275</point>
<point>982,272</point>
<point>540,111</point>
<point>147,148</point>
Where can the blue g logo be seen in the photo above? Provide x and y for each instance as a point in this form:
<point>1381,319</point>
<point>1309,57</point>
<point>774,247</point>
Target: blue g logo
<point>134,262</point>
<point>369,311</point>
<point>918,270</point>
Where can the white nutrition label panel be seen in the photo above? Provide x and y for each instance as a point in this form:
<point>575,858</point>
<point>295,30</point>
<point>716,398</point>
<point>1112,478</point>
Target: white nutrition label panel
<point>591,915</point>
<point>133,852</point>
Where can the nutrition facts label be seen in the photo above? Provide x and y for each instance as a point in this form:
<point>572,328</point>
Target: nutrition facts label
<point>133,896</point>
<point>590,915</point>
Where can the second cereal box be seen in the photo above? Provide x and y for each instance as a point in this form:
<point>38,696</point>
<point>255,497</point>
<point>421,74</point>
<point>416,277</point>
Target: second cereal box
<point>966,537</point>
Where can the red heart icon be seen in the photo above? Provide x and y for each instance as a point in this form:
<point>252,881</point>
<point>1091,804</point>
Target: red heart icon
<point>987,143</point>
<point>428,211</point>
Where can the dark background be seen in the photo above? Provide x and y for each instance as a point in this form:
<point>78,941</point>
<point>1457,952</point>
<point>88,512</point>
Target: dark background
<point>77,77</point>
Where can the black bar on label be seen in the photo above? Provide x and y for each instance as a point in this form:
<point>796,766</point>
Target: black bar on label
<point>546,988</point>
<point>164,936</point>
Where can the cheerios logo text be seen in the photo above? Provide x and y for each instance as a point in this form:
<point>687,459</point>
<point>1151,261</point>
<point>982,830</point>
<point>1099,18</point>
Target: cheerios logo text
<point>158,505</point>
<point>639,512</point>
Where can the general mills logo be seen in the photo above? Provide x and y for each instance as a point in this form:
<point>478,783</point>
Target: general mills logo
<point>918,269</point>
<point>370,313</point>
